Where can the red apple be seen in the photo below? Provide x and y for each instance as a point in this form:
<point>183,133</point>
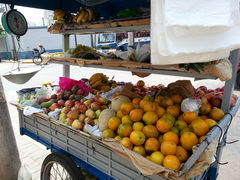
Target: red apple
<point>54,106</point>
<point>69,121</point>
<point>65,110</point>
<point>103,100</point>
<point>77,105</point>
<point>75,109</point>
<point>61,102</point>
<point>77,124</point>
<point>89,121</point>
<point>73,114</point>
<point>83,108</point>
<point>80,92</point>
<point>69,103</point>
<point>95,106</point>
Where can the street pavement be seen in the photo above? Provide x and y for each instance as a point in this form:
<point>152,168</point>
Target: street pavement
<point>32,153</point>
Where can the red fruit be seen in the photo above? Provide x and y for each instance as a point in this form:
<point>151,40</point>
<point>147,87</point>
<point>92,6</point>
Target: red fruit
<point>54,106</point>
<point>75,109</point>
<point>216,102</point>
<point>70,121</point>
<point>95,106</point>
<point>200,93</point>
<point>65,110</point>
<point>204,89</point>
<point>61,102</point>
<point>80,92</point>
<point>69,103</point>
<point>83,108</point>
<point>77,105</point>
<point>205,109</point>
<point>73,114</point>
<point>209,96</point>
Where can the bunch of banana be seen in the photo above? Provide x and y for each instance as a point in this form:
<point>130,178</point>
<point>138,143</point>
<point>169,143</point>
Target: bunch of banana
<point>84,14</point>
<point>98,80</point>
<point>62,16</point>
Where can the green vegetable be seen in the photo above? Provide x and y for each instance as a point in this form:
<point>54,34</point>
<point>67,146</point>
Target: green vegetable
<point>128,12</point>
<point>46,104</point>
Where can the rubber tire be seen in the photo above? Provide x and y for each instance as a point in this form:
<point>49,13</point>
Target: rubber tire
<point>237,84</point>
<point>65,161</point>
<point>36,60</point>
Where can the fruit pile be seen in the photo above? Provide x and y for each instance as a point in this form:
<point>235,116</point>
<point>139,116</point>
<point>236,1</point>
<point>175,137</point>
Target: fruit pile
<point>156,128</point>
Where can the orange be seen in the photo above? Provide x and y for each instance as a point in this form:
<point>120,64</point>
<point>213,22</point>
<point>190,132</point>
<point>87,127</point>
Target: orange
<point>188,117</point>
<point>150,131</point>
<point>108,133</point>
<point>169,116</point>
<point>180,117</point>
<point>182,154</point>
<point>200,127</point>
<point>158,99</point>
<point>164,125</point>
<point>205,109</point>
<point>143,102</point>
<point>168,148</point>
<point>211,122</point>
<point>136,101</point>
<point>160,139</point>
<point>126,119</point>
<point>188,140</point>
<point>173,110</point>
<point>171,136</point>
<point>118,138</point>
<point>126,107</point>
<point>140,83</point>
<point>136,115</point>
<point>151,144</point>
<point>120,114</point>
<point>177,99</point>
<point>171,162</point>
<point>216,114</point>
<point>140,150</point>
<point>166,101</point>
<point>124,130</point>
<point>160,111</point>
<point>200,140</point>
<point>127,143</point>
<point>175,130</point>
<point>187,129</point>
<point>180,124</point>
<point>137,138</point>
<point>157,157</point>
<point>149,98</point>
<point>150,106</point>
<point>137,126</point>
<point>113,123</point>
<point>150,117</point>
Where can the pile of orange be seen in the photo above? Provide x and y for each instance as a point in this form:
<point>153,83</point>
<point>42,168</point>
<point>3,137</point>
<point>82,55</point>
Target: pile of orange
<point>157,129</point>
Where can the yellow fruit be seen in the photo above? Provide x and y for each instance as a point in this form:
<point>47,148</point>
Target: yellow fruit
<point>171,136</point>
<point>143,102</point>
<point>158,99</point>
<point>127,143</point>
<point>157,157</point>
<point>108,133</point>
<point>211,122</point>
<point>137,138</point>
<point>113,123</point>
<point>200,140</point>
<point>126,119</point>
<point>168,148</point>
<point>150,106</point>
<point>200,127</point>
<point>182,154</point>
<point>137,126</point>
<point>150,117</point>
<point>187,129</point>
<point>171,162</point>
<point>188,140</point>
<point>169,116</point>
<point>175,130</point>
<point>180,124</point>
<point>173,110</point>
<point>151,145</point>
<point>140,150</point>
<point>180,117</point>
<point>188,117</point>
<point>160,111</point>
<point>205,109</point>
<point>166,101</point>
<point>118,138</point>
<point>136,101</point>
<point>136,115</point>
<point>160,139</point>
<point>126,107</point>
<point>120,114</point>
<point>177,99</point>
<point>150,131</point>
<point>148,157</point>
<point>164,125</point>
<point>216,114</point>
<point>124,130</point>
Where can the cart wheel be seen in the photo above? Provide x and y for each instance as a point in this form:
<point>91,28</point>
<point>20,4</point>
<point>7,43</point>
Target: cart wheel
<point>37,60</point>
<point>60,166</point>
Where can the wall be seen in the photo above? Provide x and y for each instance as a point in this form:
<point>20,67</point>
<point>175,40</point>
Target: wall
<point>36,36</point>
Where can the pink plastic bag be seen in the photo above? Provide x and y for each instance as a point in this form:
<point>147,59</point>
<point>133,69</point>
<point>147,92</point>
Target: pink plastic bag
<point>67,84</point>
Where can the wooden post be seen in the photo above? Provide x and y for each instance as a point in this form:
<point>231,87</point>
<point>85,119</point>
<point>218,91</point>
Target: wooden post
<point>9,157</point>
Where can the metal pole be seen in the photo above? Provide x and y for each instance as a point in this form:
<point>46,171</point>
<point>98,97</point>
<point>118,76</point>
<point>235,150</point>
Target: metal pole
<point>130,39</point>
<point>75,38</point>
<point>66,68</point>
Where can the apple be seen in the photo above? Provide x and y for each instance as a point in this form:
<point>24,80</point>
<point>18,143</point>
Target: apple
<point>103,101</point>
<point>65,110</point>
<point>61,102</point>
<point>98,112</point>
<point>216,102</point>
<point>69,103</point>
<point>90,113</point>
<point>77,124</point>
<point>77,105</point>
<point>95,98</point>
<point>95,106</point>
<point>87,102</point>
<point>80,92</point>
<point>75,109</point>
<point>73,114</point>
<point>69,121</point>
<point>81,117</point>
<point>54,106</point>
<point>89,121</point>
<point>205,109</point>
<point>83,108</point>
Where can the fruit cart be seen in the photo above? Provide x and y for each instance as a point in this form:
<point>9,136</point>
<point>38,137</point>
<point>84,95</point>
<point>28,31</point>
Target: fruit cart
<point>72,149</point>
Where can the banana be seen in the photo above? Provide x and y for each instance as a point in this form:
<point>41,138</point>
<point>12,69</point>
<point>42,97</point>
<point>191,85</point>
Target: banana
<point>90,14</point>
<point>96,84</point>
<point>85,17</point>
<point>80,16</point>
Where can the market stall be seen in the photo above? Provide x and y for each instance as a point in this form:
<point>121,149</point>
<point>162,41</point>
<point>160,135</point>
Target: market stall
<point>117,130</point>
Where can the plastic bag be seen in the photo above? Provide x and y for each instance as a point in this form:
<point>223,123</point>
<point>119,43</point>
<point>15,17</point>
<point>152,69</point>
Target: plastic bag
<point>29,110</point>
<point>143,53</point>
<point>190,105</point>
<point>67,84</point>
<point>54,114</point>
